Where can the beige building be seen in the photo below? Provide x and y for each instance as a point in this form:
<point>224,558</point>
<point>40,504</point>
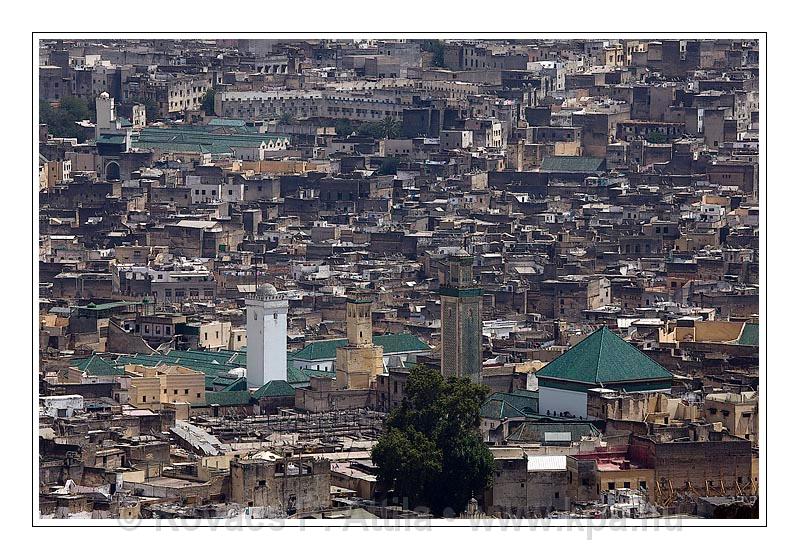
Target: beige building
<point>738,413</point>
<point>655,408</point>
<point>702,331</point>
<point>151,387</point>
<point>214,335</point>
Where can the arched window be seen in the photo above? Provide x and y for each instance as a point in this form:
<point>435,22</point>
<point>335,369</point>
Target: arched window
<point>112,171</point>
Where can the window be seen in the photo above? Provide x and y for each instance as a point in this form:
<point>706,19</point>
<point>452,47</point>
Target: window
<point>175,391</point>
<point>144,398</point>
<point>612,485</point>
<point>198,395</point>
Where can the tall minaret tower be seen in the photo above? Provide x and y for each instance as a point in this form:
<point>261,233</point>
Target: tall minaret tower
<point>461,320</point>
<point>105,115</point>
<point>360,362</point>
<point>266,335</point>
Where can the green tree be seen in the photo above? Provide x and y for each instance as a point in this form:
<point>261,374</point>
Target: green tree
<point>390,127</point>
<point>61,120</point>
<point>207,103</point>
<point>436,47</point>
<point>431,453</point>
<point>343,127</point>
<point>656,137</point>
<point>387,128</point>
<point>286,118</point>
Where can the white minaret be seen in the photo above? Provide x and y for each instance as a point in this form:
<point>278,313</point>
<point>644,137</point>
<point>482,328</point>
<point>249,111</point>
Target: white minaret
<point>266,336</point>
<point>105,115</point>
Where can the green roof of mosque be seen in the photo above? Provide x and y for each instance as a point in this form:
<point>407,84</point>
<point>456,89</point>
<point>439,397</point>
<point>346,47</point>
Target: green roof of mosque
<point>217,121</point>
<point>535,430</point>
<point>603,358</point>
<point>214,364</point>
<point>228,398</point>
<point>749,336</point>
<point>202,139</point>
<point>239,384</point>
<point>116,139</point>
<point>575,164</point>
<point>520,403</point>
<point>97,366</point>
<point>391,344</point>
<point>106,306</point>
<point>275,388</point>
<point>301,377</point>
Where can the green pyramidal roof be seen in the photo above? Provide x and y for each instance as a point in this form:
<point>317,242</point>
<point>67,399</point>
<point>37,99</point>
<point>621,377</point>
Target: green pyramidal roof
<point>275,388</point>
<point>603,358</point>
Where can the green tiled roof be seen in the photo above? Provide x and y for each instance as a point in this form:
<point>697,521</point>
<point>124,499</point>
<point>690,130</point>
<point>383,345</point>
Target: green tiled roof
<point>238,385</point>
<point>97,366</point>
<point>202,139</point>
<point>534,431</point>
<point>217,121</point>
<point>576,164</point>
<point>228,398</point>
<point>301,377</point>
<point>749,336</point>
<point>391,343</point>
<point>603,358</point>
<point>107,306</point>
<point>275,388</point>
<point>117,139</point>
<point>511,405</point>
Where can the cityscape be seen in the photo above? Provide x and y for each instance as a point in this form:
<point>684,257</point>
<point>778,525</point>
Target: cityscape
<point>398,279</point>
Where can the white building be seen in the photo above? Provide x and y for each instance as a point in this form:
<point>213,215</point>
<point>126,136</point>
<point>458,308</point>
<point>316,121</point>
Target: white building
<point>266,336</point>
<point>62,406</point>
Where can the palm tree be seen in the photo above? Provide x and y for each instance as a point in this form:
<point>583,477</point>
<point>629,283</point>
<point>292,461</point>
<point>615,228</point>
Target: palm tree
<point>390,127</point>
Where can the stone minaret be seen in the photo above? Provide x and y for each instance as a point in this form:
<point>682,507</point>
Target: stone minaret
<point>461,320</point>
<point>360,362</point>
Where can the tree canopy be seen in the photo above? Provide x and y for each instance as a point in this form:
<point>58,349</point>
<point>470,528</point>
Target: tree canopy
<point>431,453</point>
<point>61,120</point>
<point>387,128</point>
<point>436,48</point>
<point>656,137</point>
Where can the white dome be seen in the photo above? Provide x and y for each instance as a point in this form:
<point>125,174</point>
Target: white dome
<point>104,95</point>
<point>266,290</point>
<point>239,372</point>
